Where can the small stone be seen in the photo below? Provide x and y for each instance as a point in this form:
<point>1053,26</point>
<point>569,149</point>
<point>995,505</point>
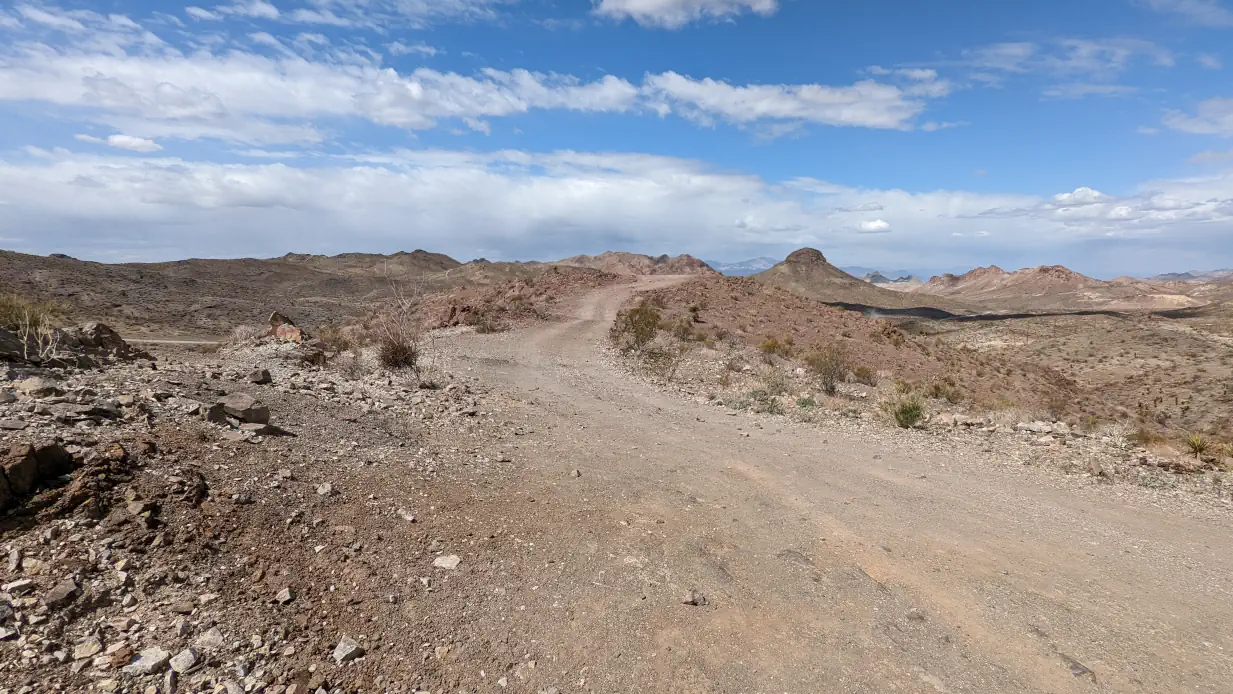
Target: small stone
<point>576,473</point>
<point>15,556</point>
<point>260,377</point>
<point>916,614</point>
<point>182,607</point>
<point>64,593</point>
<point>12,424</point>
<point>18,587</point>
<point>245,408</point>
<point>87,648</point>
<point>696,599</point>
<point>449,562</point>
<point>184,661</point>
<point>211,640</point>
<point>325,489</point>
<point>347,650</point>
<point>285,596</point>
<point>7,634</point>
<point>207,598</point>
<point>151,661</point>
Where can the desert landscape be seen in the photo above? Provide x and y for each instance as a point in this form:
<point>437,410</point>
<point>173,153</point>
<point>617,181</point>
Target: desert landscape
<point>609,473</point>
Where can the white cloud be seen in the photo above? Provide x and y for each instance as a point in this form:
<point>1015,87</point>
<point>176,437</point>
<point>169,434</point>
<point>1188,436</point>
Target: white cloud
<point>55,19</point>
<point>1213,117</point>
<point>1078,90</point>
<point>1206,12</point>
<point>259,9</point>
<point>876,226</point>
<point>674,14</point>
<point>866,103</point>
<point>201,13</point>
<point>1209,157</point>
<point>1069,58</point>
<point>132,144</point>
<point>319,17</point>
<point>400,48</point>
<point>555,204</point>
<point>1210,61</point>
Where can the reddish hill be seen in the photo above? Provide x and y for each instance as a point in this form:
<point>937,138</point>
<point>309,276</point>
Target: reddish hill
<point>620,263</point>
<point>1054,288</point>
<point>808,273</point>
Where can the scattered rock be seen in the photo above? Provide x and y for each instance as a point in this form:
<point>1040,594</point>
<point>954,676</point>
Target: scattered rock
<point>12,424</point>
<point>88,647</point>
<point>325,489</point>
<point>576,473</point>
<point>211,640</point>
<point>285,596</point>
<point>695,599</point>
<point>22,469</point>
<point>449,562</point>
<point>184,661</point>
<point>39,387</point>
<point>260,377</point>
<point>151,661</point>
<point>64,593</point>
<point>347,650</point>
<point>245,408</point>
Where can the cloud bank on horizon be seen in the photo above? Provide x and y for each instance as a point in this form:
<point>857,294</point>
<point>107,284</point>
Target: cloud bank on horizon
<point>886,135</point>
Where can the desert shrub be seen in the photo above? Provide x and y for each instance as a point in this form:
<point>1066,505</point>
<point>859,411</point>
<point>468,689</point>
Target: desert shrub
<point>398,332</point>
<point>773,346</point>
<point>944,389</point>
<point>18,313</point>
<point>740,402</point>
<point>830,366</point>
<point>1198,445</point>
<point>906,410</point>
<point>665,361</point>
<point>685,331</point>
<point>775,381</point>
<point>1145,437</point>
<point>333,336</point>
<point>484,322</point>
<point>770,405</point>
<point>352,364</point>
<point>865,375</point>
<point>636,327</point>
<point>806,401</point>
<point>245,333</point>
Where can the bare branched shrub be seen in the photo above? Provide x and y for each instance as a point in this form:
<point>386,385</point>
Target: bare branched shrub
<point>39,341</point>
<point>666,360</point>
<point>830,366</point>
<point>336,338</point>
<point>399,332</point>
<point>241,334</point>
<point>775,381</point>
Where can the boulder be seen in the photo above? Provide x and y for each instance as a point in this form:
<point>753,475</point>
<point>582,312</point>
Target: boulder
<point>281,328</point>
<point>245,408</point>
<point>53,460</point>
<point>21,468</point>
<point>6,494</point>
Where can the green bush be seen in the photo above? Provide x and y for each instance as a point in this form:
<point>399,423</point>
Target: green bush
<point>906,410</point>
<point>830,366</point>
<point>636,327</point>
<point>865,375</point>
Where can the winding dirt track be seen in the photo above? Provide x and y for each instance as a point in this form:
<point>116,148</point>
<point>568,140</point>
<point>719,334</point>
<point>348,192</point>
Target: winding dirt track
<point>832,562</point>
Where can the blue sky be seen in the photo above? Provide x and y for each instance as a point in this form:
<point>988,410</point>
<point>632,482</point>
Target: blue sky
<point>933,136</point>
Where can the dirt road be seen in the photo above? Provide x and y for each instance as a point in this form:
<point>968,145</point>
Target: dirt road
<point>830,561</point>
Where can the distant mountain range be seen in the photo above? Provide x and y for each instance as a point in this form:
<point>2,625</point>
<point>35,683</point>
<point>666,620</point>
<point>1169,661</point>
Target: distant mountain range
<point>1200,275</point>
<point>744,268</point>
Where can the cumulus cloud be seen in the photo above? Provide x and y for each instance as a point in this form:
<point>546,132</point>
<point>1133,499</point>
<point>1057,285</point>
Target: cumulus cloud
<point>866,103</point>
<point>1212,117</point>
<point>132,144</point>
<point>674,14</point>
<point>546,205</point>
<point>125,78</point>
<point>1206,12</point>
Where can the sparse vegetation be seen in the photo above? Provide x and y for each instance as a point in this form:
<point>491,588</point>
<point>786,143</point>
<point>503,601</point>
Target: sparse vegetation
<point>1198,445</point>
<point>829,366</point>
<point>806,402</point>
<point>945,389</point>
<point>636,327</point>
<point>773,346</point>
<point>907,410</point>
<point>241,334</point>
<point>17,313</point>
<point>865,375</point>
<point>399,333</point>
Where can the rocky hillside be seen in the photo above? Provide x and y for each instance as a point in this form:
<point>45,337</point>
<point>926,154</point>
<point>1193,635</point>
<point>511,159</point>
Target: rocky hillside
<point>619,263</point>
<point>1054,288</point>
<point>808,273</point>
